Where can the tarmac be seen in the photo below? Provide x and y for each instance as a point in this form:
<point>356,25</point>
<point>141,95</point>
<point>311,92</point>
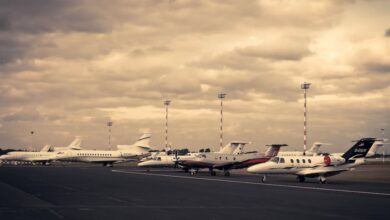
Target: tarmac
<point>94,192</point>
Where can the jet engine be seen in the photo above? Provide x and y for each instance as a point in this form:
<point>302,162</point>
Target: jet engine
<point>330,160</point>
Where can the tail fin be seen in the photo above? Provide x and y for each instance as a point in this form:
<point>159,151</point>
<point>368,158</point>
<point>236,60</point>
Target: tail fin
<point>233,147</point>
<point>46,148</point>
<point>315,149</point>
<point>360,149</point>
<point>76,143</point>
<point>273,149</point>
<point>142,142</point>
<point>377,145</point>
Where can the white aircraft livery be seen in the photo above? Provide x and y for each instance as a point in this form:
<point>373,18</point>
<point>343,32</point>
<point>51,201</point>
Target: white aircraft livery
<point>45,155</point>
<point>124,153</point>
<point>319,166</point>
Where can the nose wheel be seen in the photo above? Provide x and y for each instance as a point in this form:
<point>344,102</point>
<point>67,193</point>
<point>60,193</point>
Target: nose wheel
<point>193,172</point>
<point>322,179</point>
<point>263,179</point>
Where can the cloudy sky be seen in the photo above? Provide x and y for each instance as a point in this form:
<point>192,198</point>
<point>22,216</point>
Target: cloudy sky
<point>67,67</point>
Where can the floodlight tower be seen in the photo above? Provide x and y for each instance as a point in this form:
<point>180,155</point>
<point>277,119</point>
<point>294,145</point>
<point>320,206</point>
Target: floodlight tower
<point>166,103</point>
<point>221,96</point>
<point>305,86</point>
<point>109,124</point>
<point>383,144</point>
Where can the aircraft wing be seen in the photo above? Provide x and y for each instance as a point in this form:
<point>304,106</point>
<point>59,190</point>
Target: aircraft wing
<point>40,159</point>
<point>323,171</point>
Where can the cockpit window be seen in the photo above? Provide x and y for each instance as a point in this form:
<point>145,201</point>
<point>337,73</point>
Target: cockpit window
<point>275,159</point>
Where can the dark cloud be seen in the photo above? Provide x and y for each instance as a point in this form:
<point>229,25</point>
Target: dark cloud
<point>12,48</point>
<point>26,114</point>
<point>387,33</point>
<point>286,52</point>
<point>379,67</point>
<point>49,16</point>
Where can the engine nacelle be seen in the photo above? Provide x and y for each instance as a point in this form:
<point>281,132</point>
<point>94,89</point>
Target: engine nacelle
<point>333,160</point>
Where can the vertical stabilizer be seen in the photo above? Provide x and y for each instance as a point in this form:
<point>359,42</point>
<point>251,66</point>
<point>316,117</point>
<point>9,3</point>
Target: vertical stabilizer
<point>360,149</point>
<point>273,150</point>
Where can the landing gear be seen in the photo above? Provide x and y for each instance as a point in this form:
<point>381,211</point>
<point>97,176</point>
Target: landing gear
<point>322,179</point>
<point>301,179</point>
<point>226,173</point>
<point>264,179</point>
<point>193,172</point>
<point>212,172</point>
<point>107,164</point>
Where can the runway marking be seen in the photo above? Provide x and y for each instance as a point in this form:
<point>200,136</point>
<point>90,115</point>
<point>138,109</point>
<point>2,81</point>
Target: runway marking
<point>253,183</point>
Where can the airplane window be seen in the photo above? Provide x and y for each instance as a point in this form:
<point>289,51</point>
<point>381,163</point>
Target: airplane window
<point>309,160</point>
<point>234,158</point>
<point>281,160</point>
<point>220,158</point>
<point>303,161</point>
<point>158,158</point>
<point>297,160</point>
<point>226,158</point>
<point>291,160</point>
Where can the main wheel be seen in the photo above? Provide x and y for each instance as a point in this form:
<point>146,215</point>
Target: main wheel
<point>264,179</point>
<point>301,179</point>
<point>322,180</point>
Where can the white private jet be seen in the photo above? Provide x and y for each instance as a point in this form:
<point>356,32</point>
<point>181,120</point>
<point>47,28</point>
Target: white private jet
<point>227,161</point>
<point>164,160</point>
<point>314,150</point>
<point>124,153</point>
<point>46,155</point>
<point>320,166</point>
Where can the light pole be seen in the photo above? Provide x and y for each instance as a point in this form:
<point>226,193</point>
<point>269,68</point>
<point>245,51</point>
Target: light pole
<point>383,144</point>
<point>109,124</point>
<point>32,141</point>
<point>166,103</point>
<point>305,86</point>
<point>221,96</point>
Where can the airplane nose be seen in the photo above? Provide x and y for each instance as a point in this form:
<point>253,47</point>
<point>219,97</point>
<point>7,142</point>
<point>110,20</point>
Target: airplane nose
<point>252,169</point>
<point>142,164</point>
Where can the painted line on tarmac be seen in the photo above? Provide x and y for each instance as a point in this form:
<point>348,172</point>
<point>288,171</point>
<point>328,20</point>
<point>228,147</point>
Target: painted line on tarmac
<point>253,183</point>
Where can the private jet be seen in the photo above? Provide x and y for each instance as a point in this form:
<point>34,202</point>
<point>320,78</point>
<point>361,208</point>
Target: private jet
<point>227,161</point>
<point>123,153</point>
<point>316,166</point>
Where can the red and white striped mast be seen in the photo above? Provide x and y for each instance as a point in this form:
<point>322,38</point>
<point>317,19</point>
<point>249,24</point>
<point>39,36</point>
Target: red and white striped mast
<point>221,96</point>
<point>305,86</point>
<point>166,103</point>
